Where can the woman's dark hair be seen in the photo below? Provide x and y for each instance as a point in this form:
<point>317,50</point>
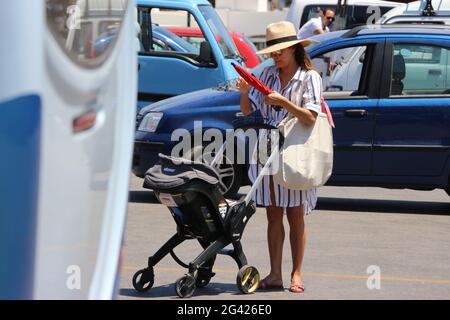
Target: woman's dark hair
<point>302,59</point>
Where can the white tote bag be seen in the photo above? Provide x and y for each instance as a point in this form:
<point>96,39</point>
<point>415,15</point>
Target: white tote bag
<point>306,158</point>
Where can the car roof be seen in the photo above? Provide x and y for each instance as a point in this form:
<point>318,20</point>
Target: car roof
<point>425,29</point>
<point>415,8</point>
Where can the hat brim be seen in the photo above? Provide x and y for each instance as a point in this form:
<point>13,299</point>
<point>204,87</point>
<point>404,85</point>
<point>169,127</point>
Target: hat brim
<point>284,45</point>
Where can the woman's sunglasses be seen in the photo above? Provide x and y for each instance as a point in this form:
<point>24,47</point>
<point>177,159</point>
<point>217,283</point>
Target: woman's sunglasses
<point>277,53</point>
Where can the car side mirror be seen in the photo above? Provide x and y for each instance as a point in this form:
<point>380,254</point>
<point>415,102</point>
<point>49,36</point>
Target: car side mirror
<point>206,57</point>
<point>335,88</point>
<point>362,58</point>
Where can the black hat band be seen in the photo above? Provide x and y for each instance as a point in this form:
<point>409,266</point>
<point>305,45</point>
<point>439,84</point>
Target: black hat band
<point>281,40</point>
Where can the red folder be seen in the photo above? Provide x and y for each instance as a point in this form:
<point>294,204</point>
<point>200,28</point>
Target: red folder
<point>252,80</point>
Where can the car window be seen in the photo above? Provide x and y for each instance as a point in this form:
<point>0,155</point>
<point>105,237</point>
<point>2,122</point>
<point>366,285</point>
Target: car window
<point>222,35</point>
<point>341,70</point>
<point>157,31</point>
<point>354,15</point>
<point>313,11</point>
<point>195,41</point>
<point>358,15</point>
<point>85,30</point>
<point>420,70</point>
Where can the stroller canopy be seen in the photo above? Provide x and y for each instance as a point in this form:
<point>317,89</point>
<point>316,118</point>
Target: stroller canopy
<point>173,172</point>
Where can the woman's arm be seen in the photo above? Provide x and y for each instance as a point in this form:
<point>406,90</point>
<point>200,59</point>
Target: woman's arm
<point>244,88</point>
<point>311,100</point>
<point>304,115</point>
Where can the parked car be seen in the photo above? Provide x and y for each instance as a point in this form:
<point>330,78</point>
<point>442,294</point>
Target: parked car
<point>349,13</point>
<point>163,40</point>
<point>418,12</point>
<point>392,127</point>
<point>167,73</point>
<point>351,61</point>
<point>245,46</point>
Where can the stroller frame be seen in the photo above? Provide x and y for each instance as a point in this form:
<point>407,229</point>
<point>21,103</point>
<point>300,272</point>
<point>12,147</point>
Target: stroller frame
<point>233,223</point>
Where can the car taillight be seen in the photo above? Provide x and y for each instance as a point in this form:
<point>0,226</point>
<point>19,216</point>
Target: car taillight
<point>84,122</point>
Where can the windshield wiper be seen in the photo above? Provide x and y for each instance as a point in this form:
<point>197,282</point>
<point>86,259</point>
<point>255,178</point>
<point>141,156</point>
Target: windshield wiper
<point>237,57</point>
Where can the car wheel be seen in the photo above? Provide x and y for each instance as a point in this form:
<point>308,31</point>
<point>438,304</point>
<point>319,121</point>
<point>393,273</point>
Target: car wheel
<point>229,173</point>
<point>231,177</point>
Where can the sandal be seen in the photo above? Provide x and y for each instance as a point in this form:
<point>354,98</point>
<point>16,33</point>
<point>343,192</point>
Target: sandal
<point>297,288</point>
<point>266,285</point>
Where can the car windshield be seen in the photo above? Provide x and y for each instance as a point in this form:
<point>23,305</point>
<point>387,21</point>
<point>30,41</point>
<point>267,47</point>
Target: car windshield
<point>220,32</point>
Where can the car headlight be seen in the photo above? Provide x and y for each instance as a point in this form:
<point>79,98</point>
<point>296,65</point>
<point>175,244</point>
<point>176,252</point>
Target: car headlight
<point>150,121</point>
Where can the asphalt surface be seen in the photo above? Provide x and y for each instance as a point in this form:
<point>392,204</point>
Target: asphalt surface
<point>363,243</point>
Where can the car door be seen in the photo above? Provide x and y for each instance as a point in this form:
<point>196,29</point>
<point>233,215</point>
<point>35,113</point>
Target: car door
<point>412,136</point>
<point>166,71</point>
<point>350,73</point>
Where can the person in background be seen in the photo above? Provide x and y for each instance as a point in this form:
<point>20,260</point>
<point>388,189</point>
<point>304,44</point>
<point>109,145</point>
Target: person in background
<point>317,25</point>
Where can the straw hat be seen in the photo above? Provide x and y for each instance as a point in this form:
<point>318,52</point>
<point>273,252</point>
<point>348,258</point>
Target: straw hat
<point>281,35</point>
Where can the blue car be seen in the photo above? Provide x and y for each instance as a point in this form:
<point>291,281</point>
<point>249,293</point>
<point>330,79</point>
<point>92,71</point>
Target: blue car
<point>165,73</point>
<point>389,91</point>
<point>163,40</point>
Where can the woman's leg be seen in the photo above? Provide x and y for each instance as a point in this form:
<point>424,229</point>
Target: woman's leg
<point>275,240</point>
<point>297,237</point>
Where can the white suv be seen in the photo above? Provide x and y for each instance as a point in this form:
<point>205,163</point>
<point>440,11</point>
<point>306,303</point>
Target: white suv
<point>419,12</point>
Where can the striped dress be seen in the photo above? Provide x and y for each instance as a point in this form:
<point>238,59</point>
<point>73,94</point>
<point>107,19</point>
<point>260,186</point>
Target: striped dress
<point>312,96</point>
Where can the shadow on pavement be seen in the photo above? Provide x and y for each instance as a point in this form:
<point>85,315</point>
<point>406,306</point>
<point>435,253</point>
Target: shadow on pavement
<point>343,204</point>
<point>384,206</point>
<point>142,197</point>
<point>168,291</point>
<point>150,197</point>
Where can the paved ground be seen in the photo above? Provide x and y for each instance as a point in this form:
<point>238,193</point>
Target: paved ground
<point>355,234</point>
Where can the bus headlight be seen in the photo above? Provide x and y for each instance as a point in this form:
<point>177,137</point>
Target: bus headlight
<point>150,121</point>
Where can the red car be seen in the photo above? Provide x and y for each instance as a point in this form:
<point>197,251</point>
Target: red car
<point>246,48</point>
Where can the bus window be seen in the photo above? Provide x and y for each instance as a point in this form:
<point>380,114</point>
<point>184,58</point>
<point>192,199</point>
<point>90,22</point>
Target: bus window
<point>86,30</point>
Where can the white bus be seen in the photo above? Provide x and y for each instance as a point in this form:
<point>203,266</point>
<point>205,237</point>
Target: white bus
<point>67,115</point>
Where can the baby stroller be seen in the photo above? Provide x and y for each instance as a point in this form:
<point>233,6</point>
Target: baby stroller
<point>193,192</point>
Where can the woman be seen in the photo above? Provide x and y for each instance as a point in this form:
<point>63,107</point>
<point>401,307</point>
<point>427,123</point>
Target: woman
<point>292,65</point>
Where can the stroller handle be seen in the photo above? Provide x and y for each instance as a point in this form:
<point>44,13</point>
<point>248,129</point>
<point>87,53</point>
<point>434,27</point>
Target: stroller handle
<point>252,122</point>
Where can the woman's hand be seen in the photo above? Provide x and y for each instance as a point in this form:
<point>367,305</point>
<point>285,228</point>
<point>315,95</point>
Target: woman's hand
<point>243,86</point>
<point>276,99</point>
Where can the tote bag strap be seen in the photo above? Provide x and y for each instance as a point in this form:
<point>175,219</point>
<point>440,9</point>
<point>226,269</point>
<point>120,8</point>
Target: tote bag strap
<point>302,89</point>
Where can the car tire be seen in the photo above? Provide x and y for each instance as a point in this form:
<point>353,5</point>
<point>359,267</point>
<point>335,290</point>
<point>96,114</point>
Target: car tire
<point>236,184</point>
<point>447,190</point>
<point>230,173</point>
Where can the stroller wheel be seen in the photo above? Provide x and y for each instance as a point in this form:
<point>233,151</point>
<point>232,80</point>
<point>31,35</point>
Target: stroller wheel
<point>202,282</point>
<point>185,286</point>
<point>143,279</point>
<point>247,279</point>
<point>203,278</point>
